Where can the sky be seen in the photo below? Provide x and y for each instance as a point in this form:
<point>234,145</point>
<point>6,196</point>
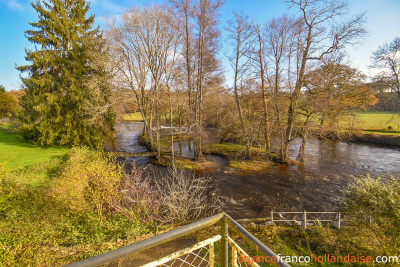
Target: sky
<point>383,25</point>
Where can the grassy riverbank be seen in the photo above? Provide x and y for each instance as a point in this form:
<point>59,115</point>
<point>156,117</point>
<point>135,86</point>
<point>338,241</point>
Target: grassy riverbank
<point>44,218</point>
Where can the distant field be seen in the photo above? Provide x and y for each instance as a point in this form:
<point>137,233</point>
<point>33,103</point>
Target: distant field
<point>378,121</point>
<point>17,154</point>
<point>137,117</point>
<point>133,116</point>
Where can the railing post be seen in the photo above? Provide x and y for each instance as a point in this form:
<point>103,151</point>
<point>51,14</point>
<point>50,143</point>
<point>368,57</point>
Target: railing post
<point>304,219</point>
<point>224,244</point>
<point>336,223</point>
<point>272,216</point>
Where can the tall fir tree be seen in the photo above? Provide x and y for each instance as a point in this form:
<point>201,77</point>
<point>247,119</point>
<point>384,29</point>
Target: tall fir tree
<point>68,93</point>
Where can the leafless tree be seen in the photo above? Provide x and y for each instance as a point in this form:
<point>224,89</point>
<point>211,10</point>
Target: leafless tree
<point>207,38</point>
<point>387,59</point>
<point>258,55</point>
<point>241,39</point>
<point>280,37</point>
<point>145,43</point>
<point>324,31</point>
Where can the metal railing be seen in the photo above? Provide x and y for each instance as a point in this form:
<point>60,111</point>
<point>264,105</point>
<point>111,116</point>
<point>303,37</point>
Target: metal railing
<point>315,217</point>
<point>200,254</point>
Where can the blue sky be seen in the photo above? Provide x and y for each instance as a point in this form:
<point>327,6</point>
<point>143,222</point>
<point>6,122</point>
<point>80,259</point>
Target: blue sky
<point>383,25</point>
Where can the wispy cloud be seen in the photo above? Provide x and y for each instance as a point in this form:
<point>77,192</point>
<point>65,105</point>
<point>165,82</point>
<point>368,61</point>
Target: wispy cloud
<point>13,4</point>
<point>107,6</point>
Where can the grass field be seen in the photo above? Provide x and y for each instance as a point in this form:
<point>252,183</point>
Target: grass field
<point>16,154</point>
<point>133,117</point>
<point>378,121</point>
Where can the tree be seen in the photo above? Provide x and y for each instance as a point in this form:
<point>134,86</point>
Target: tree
<point>261,68</point>
<point>387,59</point>
<point>333,91</point>
<point>67,89</point>
<point>207,66</point>
<point>145,46</point>
<point>322,32</point>
<point>280,37</point>
<point>241,39</point>
<point>8,103</point>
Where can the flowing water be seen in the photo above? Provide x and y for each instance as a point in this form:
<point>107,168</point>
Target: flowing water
<point>316,186</point>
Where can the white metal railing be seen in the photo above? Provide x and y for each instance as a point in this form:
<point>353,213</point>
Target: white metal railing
<point>315,217</point>
<point>200,254</point>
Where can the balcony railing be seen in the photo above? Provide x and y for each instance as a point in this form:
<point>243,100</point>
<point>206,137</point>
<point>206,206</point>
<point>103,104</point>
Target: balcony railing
<point>230,247</point>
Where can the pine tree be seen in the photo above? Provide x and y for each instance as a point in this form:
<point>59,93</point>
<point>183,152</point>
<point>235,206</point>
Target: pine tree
<point>67,100</point>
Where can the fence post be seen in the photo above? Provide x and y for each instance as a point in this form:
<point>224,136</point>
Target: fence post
<point>224,244</point>
<point>336,223</point>
<point>272,216</point>
<point>304,220</point>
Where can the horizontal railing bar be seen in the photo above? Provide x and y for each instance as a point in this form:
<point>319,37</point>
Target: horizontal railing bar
<point>182,252</point>
<point>308,220</point>
<point>288,212</point>
<point>147,243</point>
<point>301,212</point>
<point>254,242</point>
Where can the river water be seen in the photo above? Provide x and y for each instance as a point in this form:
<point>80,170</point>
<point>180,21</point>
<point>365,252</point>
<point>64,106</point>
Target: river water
<point>316,186</point>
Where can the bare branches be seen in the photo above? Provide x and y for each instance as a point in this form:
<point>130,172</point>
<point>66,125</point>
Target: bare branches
<point>387,59</point>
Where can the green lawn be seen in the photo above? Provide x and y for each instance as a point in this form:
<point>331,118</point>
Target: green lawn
<point>378,120</point>
<point>16,154</point>
<point>133,116</point>
<point>137,116</point>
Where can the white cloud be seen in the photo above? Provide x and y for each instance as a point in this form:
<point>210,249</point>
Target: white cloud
<point>13,4</point>
<point>107,6</point>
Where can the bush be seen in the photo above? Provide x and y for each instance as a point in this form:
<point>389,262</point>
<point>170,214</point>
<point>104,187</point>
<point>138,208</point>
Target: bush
<point>139,200</point>
<point>375,203</point>
<point>184,196</point>
<point>89,179</point>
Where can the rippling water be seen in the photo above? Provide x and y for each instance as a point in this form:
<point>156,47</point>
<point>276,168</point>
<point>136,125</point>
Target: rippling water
<point>316,186</point>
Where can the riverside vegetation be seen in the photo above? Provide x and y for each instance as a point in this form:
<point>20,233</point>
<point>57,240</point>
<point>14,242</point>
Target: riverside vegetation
<point>79,208</point>
<point>63,204</point>
<point>82,203</point>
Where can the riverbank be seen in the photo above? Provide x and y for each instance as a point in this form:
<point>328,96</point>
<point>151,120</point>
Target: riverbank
<point>381,138</point>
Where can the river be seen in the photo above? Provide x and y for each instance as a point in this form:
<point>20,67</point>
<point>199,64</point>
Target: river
<point>316,186</point>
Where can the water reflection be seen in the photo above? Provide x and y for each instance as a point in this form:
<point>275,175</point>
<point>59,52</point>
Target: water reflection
<point>316,186</point>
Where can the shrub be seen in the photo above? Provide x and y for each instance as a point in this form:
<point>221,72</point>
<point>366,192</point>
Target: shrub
<point>89,179</point>
<point>139,200</point>
<point>184,196</point>
<point>375,203</point>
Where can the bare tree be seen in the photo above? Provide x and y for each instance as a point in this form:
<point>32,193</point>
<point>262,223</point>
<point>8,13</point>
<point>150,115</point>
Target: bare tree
<point>323,32</point>
<point>241,39</point>
<point>207,37</point>
<point>258,55</point>
<point>280,35</point>
<point>387,59</point>
<point>146,42</point>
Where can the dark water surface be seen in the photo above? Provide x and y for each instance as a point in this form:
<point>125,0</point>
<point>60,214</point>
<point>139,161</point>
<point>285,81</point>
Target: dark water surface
<point>316,186</point>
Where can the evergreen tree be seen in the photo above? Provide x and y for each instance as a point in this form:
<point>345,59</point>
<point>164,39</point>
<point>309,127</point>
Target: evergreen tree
<point>67,100</point>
